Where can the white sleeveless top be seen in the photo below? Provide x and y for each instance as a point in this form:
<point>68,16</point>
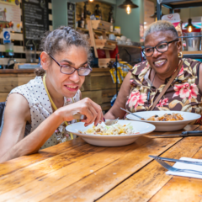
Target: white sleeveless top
<point>40,108</point>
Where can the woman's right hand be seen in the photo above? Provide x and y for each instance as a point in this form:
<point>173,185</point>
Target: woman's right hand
<point>92,112</point>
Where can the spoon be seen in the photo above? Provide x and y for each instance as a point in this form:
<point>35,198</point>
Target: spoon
<point>111,122</point>
<point>133,114</point>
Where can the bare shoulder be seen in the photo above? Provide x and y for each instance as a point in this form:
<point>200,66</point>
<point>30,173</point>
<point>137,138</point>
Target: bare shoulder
<point>17,106</point>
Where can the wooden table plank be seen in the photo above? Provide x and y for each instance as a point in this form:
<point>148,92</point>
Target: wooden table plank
<point>149,180</point>
<point>21,162</point>
<point>182,189</point>
<point>40,169</point>
<point>109,177</point>
<point>65,176</point>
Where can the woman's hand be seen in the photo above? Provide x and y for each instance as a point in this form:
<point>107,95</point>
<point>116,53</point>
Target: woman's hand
<point>92,112</point>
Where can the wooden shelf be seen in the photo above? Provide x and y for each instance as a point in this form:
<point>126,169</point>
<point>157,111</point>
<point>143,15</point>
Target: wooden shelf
<point>192,54</point>
<point>97,31</point>
<point>181,3</point>
<point>127,46</point>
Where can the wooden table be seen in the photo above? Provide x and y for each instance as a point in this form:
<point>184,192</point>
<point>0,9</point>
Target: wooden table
<point>77,171</point>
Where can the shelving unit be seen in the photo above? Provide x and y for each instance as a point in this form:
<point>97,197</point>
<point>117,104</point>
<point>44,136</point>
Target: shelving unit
<point>174,4</point>
<point>177,4</point>
<point>102,44</point>
<point>98,31</point>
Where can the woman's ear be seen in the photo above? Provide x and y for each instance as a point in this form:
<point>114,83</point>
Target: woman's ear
<point>45,60</point>
<point>179,46</point>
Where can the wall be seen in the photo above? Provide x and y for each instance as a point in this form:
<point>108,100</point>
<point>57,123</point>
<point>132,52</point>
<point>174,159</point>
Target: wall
<point>59,11</point>
<point>130,23</point>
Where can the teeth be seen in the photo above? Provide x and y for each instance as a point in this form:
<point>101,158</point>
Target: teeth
<point>159,62</point>
<point>72,86</point>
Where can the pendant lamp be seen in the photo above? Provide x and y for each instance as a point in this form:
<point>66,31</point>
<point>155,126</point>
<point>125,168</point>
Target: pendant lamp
<point>190,26</point>
<point>128,5</point>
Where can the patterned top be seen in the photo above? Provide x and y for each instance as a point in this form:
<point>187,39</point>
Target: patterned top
<point>182,95</point>
<point>40,108</point>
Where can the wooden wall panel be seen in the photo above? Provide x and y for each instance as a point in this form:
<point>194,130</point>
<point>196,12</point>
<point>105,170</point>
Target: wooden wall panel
<point>7,83</point>
<point>96,96</point>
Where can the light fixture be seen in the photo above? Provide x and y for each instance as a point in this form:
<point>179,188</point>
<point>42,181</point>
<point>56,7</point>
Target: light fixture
<point>91,0</point>
<point>128,5</point>
<point>190,27</point>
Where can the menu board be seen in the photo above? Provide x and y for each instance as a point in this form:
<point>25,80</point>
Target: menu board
<point>35,21</point>
<point>71,15</point>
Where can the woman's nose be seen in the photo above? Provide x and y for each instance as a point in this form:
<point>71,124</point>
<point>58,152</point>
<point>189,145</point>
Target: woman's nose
<point>156,53</point>
<point>75,77</point>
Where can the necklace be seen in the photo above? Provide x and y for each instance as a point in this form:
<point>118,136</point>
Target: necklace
<point>52,103</point>
<point>149,92</point>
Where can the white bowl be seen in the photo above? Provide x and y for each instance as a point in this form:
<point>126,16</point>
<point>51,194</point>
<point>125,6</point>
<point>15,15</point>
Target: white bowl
<point>166,125</point>
<point>111,140</point>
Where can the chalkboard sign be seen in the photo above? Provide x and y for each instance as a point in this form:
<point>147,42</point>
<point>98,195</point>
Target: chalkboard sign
<point>35,21</point>
<point>71,15</point>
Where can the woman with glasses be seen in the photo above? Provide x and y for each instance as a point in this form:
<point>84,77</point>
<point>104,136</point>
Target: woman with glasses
<point>52,101</point>
<point>145,82</point>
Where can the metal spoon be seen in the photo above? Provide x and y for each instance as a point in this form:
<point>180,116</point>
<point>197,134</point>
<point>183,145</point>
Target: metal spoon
<point>133,114</point>
<point>111,122</point>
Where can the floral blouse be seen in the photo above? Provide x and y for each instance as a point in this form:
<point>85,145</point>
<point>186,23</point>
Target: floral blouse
<point>182,95</point>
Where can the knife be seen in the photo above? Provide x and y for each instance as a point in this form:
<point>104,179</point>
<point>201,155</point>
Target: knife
<point>192,132</point>
<point>184,134</point>
<point>177,160</point>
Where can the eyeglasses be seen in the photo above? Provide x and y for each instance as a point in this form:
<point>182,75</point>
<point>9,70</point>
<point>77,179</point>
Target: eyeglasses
<point>161,47</point>
<point>66,69</point>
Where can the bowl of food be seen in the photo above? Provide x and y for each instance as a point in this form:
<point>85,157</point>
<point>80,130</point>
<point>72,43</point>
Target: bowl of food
<point>124,132</point>
<point>166,120</point>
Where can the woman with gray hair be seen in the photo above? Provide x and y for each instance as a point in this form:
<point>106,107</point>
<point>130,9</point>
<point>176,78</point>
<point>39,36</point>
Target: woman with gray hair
<point>50,101</point>
<point>164,70</point>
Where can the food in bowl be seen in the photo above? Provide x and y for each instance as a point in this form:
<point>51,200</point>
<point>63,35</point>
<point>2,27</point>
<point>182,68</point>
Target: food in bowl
<point>167,117</point>
<point>115,130</point>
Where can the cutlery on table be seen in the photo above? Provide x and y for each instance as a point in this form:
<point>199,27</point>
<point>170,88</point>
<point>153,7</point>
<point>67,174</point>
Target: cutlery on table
<point>196,132</point>
<point>183,134</point>
<point>173,169</point>
<point>176,160</point>
<point>132,114</point>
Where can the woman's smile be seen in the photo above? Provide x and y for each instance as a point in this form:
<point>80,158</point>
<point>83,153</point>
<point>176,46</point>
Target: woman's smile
<point>71,87</point>
<point>159,62</point>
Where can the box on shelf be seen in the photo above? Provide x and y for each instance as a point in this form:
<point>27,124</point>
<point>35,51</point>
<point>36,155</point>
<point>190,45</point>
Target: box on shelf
<point>101,25</point>
<point>117,29</point>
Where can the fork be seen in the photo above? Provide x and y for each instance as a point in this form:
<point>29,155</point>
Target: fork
<point>170,168</point>
<point>132,114</point>
<point>111,122</point>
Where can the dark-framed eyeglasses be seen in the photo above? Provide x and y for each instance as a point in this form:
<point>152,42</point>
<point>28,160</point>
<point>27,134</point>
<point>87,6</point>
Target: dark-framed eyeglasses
<point>67,69</point>
<point>161,47</point>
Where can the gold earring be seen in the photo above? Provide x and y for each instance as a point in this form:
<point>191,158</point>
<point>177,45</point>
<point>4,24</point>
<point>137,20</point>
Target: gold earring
<point>180,55</point>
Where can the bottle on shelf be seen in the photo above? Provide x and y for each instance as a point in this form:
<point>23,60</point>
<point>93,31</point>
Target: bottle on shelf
<point>82,20</point>
<point>111,19</point>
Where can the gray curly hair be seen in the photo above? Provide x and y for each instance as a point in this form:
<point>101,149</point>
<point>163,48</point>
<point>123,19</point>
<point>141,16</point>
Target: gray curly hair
<point>63,37</point>
<point>160,26</point>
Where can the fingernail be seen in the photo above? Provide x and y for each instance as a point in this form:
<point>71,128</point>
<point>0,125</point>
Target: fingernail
<point>104,119</point>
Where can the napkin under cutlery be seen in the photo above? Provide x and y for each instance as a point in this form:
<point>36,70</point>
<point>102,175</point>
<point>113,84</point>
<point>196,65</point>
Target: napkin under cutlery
<point>180,165</point>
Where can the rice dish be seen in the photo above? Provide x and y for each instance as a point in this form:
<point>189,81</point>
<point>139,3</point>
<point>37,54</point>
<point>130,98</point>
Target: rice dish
<point>115,130</point>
